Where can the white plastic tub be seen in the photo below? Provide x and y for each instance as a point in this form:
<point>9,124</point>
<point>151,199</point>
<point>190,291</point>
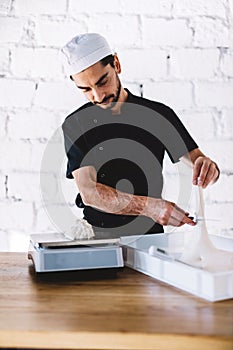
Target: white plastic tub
<point>165,267</point>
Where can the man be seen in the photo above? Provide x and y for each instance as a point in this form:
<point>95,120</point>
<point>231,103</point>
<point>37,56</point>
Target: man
<point>115,146</point>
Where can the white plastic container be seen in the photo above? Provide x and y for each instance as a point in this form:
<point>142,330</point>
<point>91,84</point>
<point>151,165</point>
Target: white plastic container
<point>164,266</point>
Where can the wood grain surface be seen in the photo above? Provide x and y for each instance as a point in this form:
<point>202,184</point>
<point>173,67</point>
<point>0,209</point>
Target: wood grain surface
<point>128,311</point>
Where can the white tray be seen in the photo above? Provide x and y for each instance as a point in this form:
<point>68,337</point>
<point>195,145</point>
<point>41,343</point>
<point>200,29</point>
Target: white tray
<point>210,286</point>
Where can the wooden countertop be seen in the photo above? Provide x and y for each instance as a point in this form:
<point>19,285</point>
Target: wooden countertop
<point>130,311</point>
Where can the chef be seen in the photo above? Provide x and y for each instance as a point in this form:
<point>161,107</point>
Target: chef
<point>116,142</point>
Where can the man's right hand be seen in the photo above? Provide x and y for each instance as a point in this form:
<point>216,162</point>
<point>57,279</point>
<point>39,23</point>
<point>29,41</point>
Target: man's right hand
<point>168,213</point>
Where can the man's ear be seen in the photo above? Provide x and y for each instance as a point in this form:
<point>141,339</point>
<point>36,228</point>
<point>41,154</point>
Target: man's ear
<point>117,64</point>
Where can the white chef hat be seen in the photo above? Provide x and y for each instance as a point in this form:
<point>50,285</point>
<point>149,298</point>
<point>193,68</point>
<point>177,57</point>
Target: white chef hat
<point>83,51</point>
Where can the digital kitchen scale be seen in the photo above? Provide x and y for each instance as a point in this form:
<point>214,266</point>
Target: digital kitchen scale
<point>55,252</point>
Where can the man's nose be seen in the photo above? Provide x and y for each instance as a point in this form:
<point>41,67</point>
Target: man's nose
<point>98,95</point>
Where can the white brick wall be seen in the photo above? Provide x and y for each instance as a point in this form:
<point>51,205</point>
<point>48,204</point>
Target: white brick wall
<point>227,124</point>
<point>212,94</point>
<point>57,95</point>
<point>227,63</point>
<point>54,32</point>
<point>16,215</point>
<point>4,60</point>
<point>42,7</point>
<point>26,62</point>
<point>211,32</point>
<point>25,124</point>
<point>143,60</point>
<point>151,7</point>
<point>3,119</point>
<point>174,93</point>
<point>83,6</point>
<point>15,155</point>
<point>190,8</point>
<point>115,27</point>
<point>207,121</point>
<point>180,50</point>
<point>194,63</point>
<point>26,186</point>
<point>11,29</point>
<point>2,186</point>
<point>16,93</point>
<point>166,32</point>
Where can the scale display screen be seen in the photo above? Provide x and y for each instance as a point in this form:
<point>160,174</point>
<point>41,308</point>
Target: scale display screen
<point>85,259</point>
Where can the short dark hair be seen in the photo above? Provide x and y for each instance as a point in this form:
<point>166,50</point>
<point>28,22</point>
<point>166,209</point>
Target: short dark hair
<point>105,61</point>
<point>108,60</point>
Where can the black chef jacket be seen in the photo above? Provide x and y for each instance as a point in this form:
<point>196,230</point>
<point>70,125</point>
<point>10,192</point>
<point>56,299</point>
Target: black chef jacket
<point>127,151</point>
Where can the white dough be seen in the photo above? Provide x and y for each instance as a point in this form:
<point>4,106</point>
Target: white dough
<point>199,250</point>
<point>81,230</point>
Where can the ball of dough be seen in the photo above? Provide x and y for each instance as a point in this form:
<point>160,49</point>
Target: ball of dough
<point>81,230</point>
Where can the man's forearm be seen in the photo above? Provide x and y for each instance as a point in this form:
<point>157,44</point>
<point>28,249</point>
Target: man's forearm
<point>110,200</point>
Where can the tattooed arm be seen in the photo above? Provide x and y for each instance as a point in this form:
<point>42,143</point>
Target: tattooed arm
<point>110,200</point>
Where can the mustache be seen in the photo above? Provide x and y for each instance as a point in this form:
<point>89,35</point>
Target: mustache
<point>104,100</point>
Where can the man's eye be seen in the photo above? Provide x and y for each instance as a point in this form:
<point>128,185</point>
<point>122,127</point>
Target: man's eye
<point>103,83</point>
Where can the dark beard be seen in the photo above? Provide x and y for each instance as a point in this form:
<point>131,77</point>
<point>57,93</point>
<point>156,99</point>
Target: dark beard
<point>115,97</point>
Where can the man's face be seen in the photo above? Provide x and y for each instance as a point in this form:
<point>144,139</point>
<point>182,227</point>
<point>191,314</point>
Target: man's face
<point>100,84</point>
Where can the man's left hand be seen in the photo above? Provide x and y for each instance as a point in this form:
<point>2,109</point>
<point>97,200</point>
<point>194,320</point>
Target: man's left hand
<point>205,171</point>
